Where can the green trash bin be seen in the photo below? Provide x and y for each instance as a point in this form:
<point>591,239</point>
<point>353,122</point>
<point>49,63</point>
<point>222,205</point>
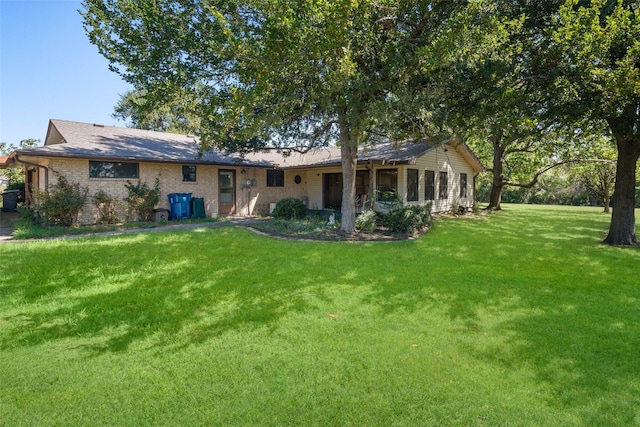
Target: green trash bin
<point>198,207</point>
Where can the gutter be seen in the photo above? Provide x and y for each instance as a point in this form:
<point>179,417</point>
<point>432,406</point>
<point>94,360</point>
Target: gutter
<point>234,162</point>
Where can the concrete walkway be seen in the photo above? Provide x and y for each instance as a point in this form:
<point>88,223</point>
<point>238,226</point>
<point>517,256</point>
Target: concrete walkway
<point>6,231</point>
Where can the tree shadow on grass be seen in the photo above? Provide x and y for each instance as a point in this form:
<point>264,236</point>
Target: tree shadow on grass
<point>572,320</point>
<point>579,340</point>
<point>168,291</point>
<point>583,346</point>
<point>542,296</point>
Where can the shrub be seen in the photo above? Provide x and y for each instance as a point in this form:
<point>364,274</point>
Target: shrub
<point>142,199</point>
<point>107,208</point>
<point>389,199</point>
<point>366,221</point>
<point>408,219</point>
<point>62,203</point>
<point>15,186</point>
<point>458,209</point>
<point>27,214</point>
<point>290,208</point>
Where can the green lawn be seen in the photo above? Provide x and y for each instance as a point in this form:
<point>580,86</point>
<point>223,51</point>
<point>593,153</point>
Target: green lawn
<point>521,317</point>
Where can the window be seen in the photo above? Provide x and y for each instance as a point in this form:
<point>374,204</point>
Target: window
<point>429,185</point>
<point>188,173</point>
<point>463,185</point>
<point>113,170</point>
<point>387,184</point>
<point>412,185</point>
<point>275,178</point>
<point>443,190</point>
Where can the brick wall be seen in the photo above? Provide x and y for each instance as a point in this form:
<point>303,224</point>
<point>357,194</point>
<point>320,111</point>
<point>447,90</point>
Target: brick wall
<point>250,200</point>
<point>255,200</point>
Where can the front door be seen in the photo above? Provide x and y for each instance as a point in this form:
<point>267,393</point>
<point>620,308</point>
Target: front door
<point>333,191</point>
<point>226,192</point>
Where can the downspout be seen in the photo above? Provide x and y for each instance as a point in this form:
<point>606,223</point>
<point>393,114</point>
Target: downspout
<point>46,171</point>
<point>475,200</point>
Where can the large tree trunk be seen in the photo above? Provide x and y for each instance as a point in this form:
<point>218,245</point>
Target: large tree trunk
<point>497,184</point>
<point>622,230</point>
<point>349,155</point>
<point>495,197</point>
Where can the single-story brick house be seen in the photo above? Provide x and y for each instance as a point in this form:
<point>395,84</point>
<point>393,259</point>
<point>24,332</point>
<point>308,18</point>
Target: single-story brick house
<point>106,157</point>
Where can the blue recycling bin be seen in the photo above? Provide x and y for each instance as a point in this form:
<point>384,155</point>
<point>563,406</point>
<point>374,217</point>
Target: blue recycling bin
<point>180,205</point>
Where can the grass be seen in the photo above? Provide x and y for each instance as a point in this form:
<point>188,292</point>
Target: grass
<point>520,317</point>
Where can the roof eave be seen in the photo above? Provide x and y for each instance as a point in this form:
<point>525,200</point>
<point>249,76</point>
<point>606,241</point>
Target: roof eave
<point>360,162</point>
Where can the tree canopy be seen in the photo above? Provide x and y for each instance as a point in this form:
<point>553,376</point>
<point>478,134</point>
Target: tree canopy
<point>290,75</point>
<point>174,116</point>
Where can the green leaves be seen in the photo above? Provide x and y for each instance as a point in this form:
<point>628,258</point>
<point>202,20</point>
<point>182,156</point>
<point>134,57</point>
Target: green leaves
<point>62,202</point>
<point>141,199</point>
<point>600,56</point>
<point>272,72</point>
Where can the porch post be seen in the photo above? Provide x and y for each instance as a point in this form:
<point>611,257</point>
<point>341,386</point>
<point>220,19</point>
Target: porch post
<point>371,190</point>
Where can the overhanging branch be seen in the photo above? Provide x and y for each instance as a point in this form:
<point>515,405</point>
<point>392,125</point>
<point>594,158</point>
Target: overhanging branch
<point>547,168</point>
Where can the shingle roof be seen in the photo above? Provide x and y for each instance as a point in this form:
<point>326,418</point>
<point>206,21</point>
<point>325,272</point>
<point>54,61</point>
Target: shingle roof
<point>380,153</point>
<point>85,140</point>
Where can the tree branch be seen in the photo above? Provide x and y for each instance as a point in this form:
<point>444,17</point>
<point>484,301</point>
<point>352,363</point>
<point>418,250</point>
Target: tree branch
<point>547,168</point>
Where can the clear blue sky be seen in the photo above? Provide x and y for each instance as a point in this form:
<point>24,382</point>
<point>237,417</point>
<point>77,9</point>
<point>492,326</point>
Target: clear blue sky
<point>49,70</point>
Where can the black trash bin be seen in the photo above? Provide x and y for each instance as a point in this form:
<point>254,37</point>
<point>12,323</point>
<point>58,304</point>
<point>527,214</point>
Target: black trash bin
<point>10,200</point>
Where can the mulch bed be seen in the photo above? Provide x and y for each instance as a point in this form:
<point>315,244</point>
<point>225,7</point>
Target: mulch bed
<point>380,234</point>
